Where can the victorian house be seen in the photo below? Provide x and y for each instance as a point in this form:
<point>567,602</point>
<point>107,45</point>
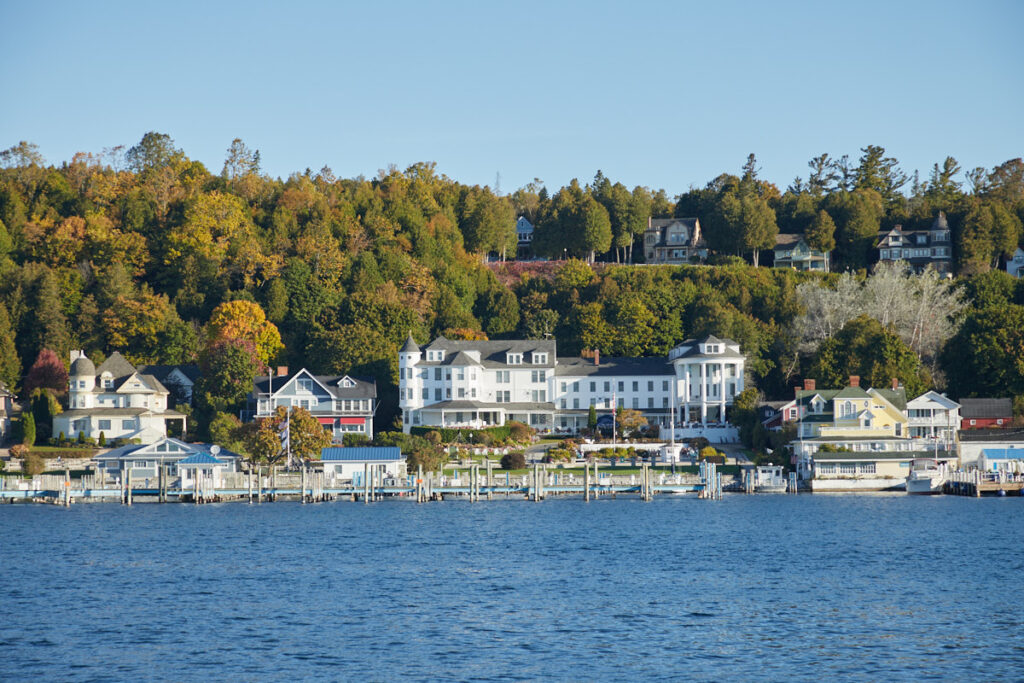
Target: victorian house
<point>674,240</point>
<point>920,248</point>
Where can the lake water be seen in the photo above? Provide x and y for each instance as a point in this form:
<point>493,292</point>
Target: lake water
<point>872,587</point>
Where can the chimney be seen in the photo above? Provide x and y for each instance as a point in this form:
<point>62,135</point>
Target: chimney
<point>854,380</point>
<point>597,356</point>
<point>75,355</point>
<point>809,385</point>
<point>282,370</point>
<point>895,384</point>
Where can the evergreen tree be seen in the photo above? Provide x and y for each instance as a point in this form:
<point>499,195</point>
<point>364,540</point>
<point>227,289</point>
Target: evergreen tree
<point>10,364</point>
<point>28,429</point>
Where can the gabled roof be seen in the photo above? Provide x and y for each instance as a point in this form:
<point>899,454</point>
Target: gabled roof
<point>162,372</point>
<point>200,458</point>
<point>986,408</point>
<point>787,241</point>
<point>461,358</point>
<point>361,453</point>
<point>117,365</point>
<point>364,388</point>
<point>493,353</point>
<point>934,397</point>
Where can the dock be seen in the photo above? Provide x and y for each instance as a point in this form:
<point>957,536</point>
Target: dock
<point>977,484</point>
<point>314,487</point>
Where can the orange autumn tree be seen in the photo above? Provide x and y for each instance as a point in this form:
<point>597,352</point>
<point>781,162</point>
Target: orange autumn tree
<point>245,320</point>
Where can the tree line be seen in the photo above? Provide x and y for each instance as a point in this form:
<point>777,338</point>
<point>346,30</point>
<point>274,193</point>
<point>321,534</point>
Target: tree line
<point>146,251</point>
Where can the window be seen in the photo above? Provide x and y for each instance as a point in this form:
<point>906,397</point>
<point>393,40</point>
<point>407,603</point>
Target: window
<point>636,403</point>
<point>826,468</point>
<point>460,374</point>
<point>664,385</point>
<point>437,394</point>
<point>664,402</point>
<point>540,358</point>
<point>305,386</point>
<point>539,396</point>
<point>462,393</point>
<point>650,402</point>
<point>103,424</point>
<point>426,394</point>
<point>607,387</point>
<point>867,468</point>
<point>650,386</point>
<point>622,386</point>
<point>593,387</point>
<point>448,392</point>
<point>472,392</point>
<point>437,374</point>
<point>846,409</point>
<point>537,376</point>
<point>504,377</point>
<point>576,386</point>
<point>128,424</point>
<point>576,404</point>
<point>847,468</point>
<point>563,404</point>
<point>636,386</point>
<point>563,387</point>
<point>515,359</point>
<point>503,397</point>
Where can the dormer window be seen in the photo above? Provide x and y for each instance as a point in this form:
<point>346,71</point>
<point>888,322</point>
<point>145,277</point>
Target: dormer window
<point>540,358</point>
<point>514,358</point>
<point>712,348</point>
<point>348,383</point>
<point>305,386</point>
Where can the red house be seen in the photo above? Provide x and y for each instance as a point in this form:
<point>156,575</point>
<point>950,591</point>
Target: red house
<point>977,413</point>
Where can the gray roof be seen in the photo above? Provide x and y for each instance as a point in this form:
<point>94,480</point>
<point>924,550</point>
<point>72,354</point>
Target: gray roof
<point>878,455</point>
<point>695,352</point>
<point>993,435</point>
<point>986,408</point>
<point>364,388</point>
<point>480,405</point>
<point>787,241</point>
<point>409,346</point>
<point>117,365</point>
<point>117,412</point>
<point>612,367</point>
<point>160,372</point>
<point>493,352</point>
<point>83,367</point>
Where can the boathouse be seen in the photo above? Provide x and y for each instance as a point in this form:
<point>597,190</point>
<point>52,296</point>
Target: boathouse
<point>341,463</point>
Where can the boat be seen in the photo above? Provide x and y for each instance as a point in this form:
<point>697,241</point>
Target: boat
<point>769,479</point>
<point>927,476</point>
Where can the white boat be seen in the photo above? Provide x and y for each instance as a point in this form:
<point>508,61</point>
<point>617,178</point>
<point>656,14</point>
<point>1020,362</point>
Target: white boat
<point>770,479</point>
<point>927,476</point>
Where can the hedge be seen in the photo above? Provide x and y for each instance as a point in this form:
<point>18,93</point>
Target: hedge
<point>468,436</point>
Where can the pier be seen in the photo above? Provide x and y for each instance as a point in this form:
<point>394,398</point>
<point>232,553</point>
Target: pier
<point>977,484</point>
<point>475,483</point>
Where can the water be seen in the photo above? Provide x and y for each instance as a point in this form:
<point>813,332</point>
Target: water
<point>753,587</point>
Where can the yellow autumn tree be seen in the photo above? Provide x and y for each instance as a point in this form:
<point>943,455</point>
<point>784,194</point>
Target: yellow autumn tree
<point>246,320</point>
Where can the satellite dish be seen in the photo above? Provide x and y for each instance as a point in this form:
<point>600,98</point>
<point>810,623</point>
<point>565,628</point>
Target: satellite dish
<point>214,449</point>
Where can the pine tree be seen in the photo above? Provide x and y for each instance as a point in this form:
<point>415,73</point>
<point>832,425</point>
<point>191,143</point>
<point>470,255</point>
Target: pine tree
<point>28,428</point>
<point>10,364</point>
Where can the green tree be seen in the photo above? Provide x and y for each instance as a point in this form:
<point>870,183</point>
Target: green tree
<point>228,370</point>
<point>592,418</point>
<point>986,356</point>
<point>821,232</point>
<point>154,151</point>
<point>10,364</point>
<point>28,429</point>
<point>597,228</point>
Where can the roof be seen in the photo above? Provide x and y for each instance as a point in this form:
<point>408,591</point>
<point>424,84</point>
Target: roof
<point>693,349</point>
<point>82,367</point>
<point>480,405</point>
<point>613,367</point>
<point>117,412</point>
<point>409,346</point>
<point>986,407</point>
<point>364,388</point>
<point>787,241</point>
<point>117,365</point>
<point>992,435</point>
<point>151,452</point>
<point>200,458</point>
<point>493,352</point>
<point>878,455</point>
<point>360,453</point>
<point>161,372</point>
<point>933,397</point>
<point>461,358</point>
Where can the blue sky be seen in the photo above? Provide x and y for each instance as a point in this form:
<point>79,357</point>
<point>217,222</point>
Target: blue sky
<point>666,95</point>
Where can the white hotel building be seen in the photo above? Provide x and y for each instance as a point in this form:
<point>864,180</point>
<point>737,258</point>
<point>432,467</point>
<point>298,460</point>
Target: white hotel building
<point>483,383</point>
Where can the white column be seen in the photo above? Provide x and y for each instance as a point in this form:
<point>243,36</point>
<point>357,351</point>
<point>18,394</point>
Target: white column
<point>721,395</point>
<point>703,394</point>
<point>686,393</point>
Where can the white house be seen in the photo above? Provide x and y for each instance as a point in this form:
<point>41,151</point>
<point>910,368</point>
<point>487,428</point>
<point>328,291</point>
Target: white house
<point>674,240</point>
<point>115,400</point>
<point>481,383</point>
<point>352,463</point>
<point>1015,264</point>
<point>182,459</point>
<point>342,404</point>
<point>934,417</point>
<point>6,408</point>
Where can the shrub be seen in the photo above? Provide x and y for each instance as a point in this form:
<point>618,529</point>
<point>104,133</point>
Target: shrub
<point>81,437</point>
<point>711,455</point>
<point>354,439</point>
<point>33,464</point>
<point>18,450</point>
<point>61,439</point>
<point>558,455</point>
<point>102,443</point>
<point>434,437</point>
<point>28,429</point>
<point>520,432</point>
<point>516,460</point>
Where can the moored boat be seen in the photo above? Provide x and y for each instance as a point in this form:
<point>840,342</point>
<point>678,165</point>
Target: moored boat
<point>927,476</point>
<point>770,479</point>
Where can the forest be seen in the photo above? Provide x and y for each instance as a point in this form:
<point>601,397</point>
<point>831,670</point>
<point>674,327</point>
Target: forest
<point>143,250</point>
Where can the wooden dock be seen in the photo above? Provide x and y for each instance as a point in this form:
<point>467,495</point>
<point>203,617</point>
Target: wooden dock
<point>977,484</point>
<point>314,487</point>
